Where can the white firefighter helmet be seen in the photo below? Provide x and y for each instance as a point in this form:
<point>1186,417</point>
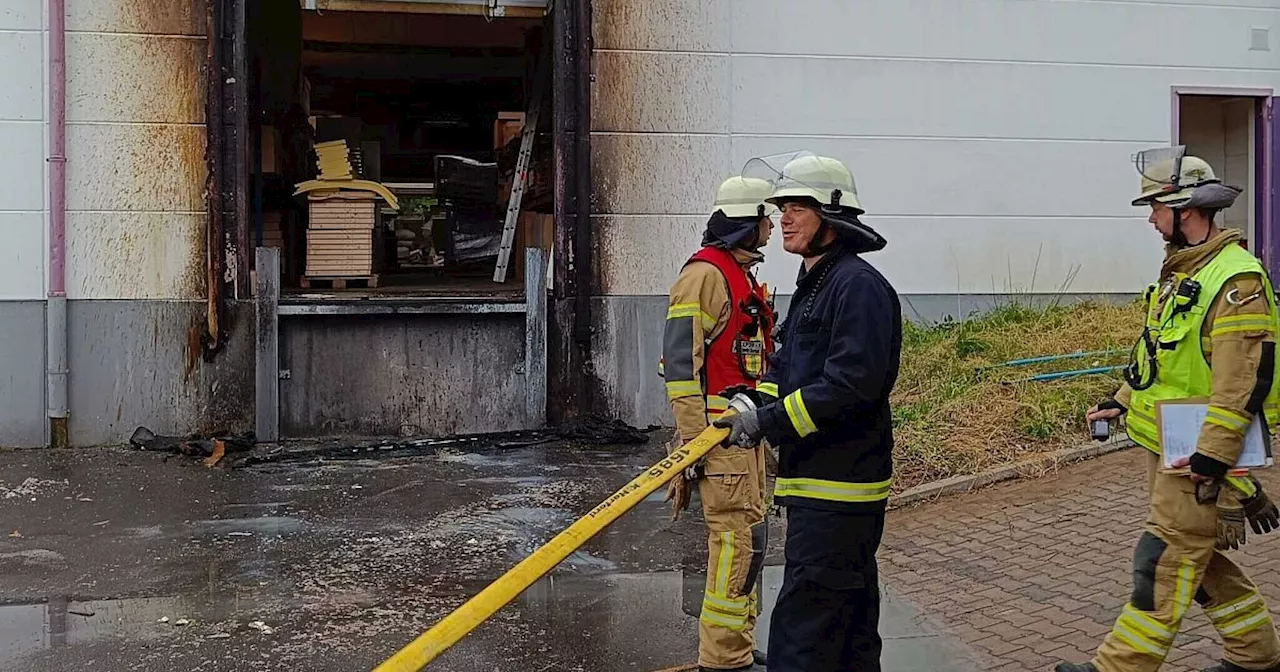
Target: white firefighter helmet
<point>741,196</point>
<point>1170,176</point>
<point>824,182</point>
<point>806,175</point>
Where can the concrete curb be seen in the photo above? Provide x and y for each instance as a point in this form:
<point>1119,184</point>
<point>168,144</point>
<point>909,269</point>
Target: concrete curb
<point>962,484</point>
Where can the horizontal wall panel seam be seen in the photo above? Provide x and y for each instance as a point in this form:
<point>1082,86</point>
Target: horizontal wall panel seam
<point>819,136</point>
<point>926,59</point>
<point>182,124</point>
<point>162,36</point>
<point>873,215</point>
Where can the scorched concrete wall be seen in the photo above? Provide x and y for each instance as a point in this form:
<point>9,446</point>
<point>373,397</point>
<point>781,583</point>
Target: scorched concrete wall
<point>135,224</point>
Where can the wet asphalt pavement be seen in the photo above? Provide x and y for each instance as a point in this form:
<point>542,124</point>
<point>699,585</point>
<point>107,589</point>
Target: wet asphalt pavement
<point>117,560</point>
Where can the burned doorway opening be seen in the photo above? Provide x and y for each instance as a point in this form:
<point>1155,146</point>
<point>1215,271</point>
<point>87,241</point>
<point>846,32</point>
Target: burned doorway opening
<point>365,74</point>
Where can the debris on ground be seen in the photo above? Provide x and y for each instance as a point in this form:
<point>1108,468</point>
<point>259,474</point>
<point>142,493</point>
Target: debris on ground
<point>262,627</point>
<point>592,432</point>
<point>30,487</point>
<point>212,448</point>
<point>603,431</point>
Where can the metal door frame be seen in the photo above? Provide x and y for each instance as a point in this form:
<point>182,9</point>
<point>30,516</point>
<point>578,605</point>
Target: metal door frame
<point>1266,214</point>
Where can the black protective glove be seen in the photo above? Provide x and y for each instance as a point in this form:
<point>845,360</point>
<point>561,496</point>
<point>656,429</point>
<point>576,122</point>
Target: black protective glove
<point>1263,516</point>
<point>1110,404</point>
<point>1203,465</point>
<point>743,421</point>
<point>757,398</point>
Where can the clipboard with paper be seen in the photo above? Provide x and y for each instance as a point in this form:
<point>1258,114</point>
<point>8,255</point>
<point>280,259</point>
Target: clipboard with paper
<point>1180,421</point>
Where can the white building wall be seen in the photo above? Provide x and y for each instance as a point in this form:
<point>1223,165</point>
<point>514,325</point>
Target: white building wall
<point>991,139</point>
<point>22,135</point>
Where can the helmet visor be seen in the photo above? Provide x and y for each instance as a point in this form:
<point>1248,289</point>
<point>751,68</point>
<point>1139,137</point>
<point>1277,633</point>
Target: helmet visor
<point>1161,165</point>
<point>831,196</point>
<point>771,167</point>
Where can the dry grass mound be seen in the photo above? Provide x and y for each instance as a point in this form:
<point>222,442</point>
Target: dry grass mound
<point>952,418</point>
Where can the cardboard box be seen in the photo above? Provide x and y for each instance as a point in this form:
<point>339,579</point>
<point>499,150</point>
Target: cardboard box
<point>270,149</point>
<point>537,230</point>
<point>507,128</point>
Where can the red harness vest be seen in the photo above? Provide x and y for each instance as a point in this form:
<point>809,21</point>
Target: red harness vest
<point>738,355</point>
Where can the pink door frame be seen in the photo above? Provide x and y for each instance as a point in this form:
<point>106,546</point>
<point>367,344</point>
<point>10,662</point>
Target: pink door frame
<point>1266,214</point>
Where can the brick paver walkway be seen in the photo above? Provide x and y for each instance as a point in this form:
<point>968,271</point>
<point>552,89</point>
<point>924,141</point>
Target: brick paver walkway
<point>1034,572</point>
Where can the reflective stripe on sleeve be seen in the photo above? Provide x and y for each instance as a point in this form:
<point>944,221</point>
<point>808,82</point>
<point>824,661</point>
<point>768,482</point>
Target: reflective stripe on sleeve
<point>1228,419</point>
<point>1232,324</point>
<point>679,389</point>
<point>800,420</point>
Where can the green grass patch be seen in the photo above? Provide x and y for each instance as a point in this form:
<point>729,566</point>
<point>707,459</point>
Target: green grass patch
<point>951,419</point>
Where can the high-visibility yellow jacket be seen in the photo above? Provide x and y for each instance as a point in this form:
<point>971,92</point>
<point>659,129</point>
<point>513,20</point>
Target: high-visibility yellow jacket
<point>1215,346</point>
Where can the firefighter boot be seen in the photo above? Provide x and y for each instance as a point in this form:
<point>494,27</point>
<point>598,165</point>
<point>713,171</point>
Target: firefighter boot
<point>1225,666</point>
<point>1075,667</point>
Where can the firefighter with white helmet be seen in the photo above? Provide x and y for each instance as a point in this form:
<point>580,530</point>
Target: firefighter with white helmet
<point>1210,332</point>
<point>717,338</point>
<point>824,402</point>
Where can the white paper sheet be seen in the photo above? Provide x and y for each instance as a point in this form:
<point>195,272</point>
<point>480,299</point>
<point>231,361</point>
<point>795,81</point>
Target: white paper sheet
<point>1180,424</point>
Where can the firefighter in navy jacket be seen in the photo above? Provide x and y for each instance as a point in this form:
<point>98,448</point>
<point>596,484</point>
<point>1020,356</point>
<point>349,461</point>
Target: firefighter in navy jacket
<point>825,403</point>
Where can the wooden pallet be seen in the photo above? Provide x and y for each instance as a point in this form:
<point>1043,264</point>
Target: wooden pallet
<point>340,282</point>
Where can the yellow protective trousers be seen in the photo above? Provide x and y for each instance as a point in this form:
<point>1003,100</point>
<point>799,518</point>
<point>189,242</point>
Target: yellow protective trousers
<point>1175,563</point>
<point>732,494</point>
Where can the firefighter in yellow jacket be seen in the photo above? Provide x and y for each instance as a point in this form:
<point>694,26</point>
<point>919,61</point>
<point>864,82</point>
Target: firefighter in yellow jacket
<point>717,338</point>
<point>1210,332</point>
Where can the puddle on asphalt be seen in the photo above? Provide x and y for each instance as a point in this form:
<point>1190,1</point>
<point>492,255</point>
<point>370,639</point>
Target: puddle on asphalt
<point>265,525</point>
<point>598,621</point>
<point>26,629</point>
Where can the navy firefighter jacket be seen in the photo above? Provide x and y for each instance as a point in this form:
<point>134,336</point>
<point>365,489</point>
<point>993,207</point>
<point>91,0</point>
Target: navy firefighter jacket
<point>831,376</point>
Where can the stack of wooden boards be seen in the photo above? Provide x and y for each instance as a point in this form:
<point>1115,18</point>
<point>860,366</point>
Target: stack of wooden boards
<point>343,214</point>
<point>340,237</point>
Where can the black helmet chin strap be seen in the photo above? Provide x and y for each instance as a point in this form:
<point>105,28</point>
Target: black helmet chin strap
<point>1179,239</point>
<point>816,247</point>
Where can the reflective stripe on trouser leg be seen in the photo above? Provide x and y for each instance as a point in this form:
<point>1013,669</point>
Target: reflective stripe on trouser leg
<point>732,507</point>
<point>1164,584</point>
<point>1169,565</point>
<point>726,625</point>
<point>1238,612</point>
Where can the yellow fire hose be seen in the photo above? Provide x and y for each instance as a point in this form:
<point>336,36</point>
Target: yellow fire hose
<point>452,628</point>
